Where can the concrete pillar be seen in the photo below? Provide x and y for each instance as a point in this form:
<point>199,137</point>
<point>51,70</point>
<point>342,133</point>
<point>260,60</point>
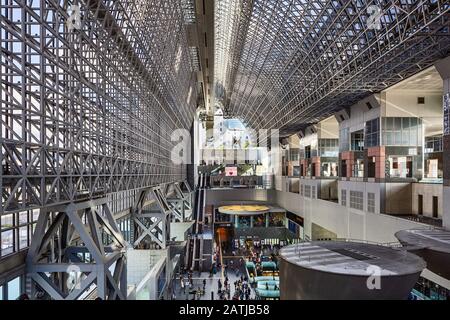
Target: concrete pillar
<point>236,221</point>
<point>443,67</point>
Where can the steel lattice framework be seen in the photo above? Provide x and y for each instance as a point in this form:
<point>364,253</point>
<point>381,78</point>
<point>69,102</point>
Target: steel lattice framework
<point>303,60</point>
<point>88,111</point>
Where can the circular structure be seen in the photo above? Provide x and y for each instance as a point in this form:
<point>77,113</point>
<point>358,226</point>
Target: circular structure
<point>433,245</point>
<point>343,270</point>
<point>244,210</point>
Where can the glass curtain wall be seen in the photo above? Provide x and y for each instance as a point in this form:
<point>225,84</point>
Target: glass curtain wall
<point>402,137</point>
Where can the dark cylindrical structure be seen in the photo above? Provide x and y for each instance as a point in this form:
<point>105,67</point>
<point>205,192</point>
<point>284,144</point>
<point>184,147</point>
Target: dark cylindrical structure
<point>433,245</point>
<point>341,270</point>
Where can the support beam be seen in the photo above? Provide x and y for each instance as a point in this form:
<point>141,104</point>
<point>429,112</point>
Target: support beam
<point>80,265</point>
<point>151,222</point>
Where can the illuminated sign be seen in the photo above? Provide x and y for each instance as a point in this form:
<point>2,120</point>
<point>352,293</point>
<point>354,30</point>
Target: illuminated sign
<point>231,171</point>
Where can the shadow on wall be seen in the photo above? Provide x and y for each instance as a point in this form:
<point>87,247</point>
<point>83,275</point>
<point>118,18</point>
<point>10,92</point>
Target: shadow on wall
<point>320,233</point>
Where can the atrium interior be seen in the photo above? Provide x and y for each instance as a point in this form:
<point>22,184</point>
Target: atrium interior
<point>225,150</point>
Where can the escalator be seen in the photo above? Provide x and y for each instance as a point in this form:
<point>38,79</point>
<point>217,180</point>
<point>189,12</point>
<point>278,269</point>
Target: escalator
<point>195,243</point>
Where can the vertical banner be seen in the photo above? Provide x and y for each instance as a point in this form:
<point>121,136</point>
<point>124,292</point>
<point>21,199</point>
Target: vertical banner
<point>447,114</point>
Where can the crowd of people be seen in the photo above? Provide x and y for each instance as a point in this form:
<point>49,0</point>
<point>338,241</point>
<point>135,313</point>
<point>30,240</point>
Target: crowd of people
<point>242,289</point>
<point>232,267</point>
<point>187,286</point>
<point>224,291</point>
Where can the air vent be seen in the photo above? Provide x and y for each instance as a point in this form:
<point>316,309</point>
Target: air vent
<point>421,100</point>
<point>369,105</point>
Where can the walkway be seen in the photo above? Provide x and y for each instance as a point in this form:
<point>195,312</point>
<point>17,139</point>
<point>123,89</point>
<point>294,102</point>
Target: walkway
<point>211,284</point>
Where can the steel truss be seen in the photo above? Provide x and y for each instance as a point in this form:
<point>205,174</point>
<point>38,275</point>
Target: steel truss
<point>188,195</point>
<point>89,112</point>
<point>68,258</point>
<point>180,202</point>
<point>303,60</point>
<point>151,219</point>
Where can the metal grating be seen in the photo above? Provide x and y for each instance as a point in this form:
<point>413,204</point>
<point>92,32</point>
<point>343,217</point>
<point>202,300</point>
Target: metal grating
<point>303,60</point>
<point>89,110</point>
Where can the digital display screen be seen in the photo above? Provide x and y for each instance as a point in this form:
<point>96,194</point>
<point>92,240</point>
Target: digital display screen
<point>231,171</point>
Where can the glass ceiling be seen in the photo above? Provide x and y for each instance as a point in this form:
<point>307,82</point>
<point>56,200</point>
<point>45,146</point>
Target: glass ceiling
<point>287,63</point>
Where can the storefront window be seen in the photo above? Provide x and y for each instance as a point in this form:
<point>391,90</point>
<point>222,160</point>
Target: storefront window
<point>259,221</point>
<point>358,169</point>
<point>434,169</point>
<point>433,157</point>
<point>276,219</point>
<point>329,169</point>
<point>244,222</point>
<point>400,167</point>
